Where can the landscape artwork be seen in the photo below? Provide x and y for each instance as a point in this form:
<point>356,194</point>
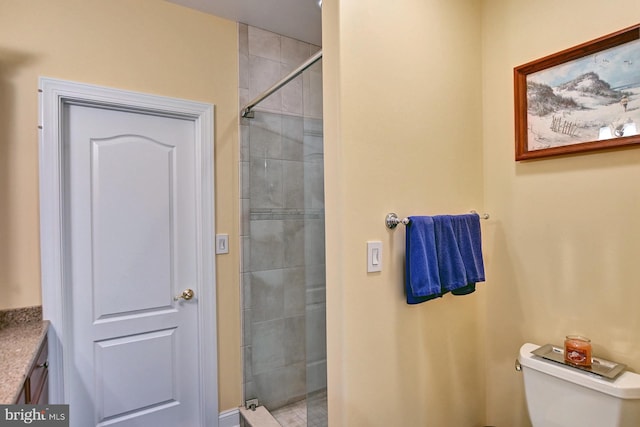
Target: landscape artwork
<point>593,98</point>
<point>581,99</point>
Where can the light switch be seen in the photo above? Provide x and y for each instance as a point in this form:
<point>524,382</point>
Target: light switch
<point>222,243</point>
<point>374,256</point>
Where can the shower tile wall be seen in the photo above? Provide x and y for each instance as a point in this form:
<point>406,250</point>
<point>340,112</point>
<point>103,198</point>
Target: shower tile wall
<point>282,198</point>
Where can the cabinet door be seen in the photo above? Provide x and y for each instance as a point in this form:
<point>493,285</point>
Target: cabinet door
<point>43,399</point>
<point>39,377</point>
<point>22,397</point>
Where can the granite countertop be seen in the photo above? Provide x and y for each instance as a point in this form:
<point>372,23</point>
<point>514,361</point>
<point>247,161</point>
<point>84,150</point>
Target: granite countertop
<point>21,333</point>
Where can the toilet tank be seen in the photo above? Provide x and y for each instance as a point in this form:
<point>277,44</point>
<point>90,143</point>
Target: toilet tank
<point>561,396</point>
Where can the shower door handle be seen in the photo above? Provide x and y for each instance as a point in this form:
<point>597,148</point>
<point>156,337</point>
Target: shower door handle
<point>186,295</point>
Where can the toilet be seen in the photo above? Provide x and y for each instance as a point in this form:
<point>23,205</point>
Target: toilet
<point>562,396</point>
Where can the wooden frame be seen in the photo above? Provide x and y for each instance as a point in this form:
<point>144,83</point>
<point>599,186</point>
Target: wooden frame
<point>581,99</point>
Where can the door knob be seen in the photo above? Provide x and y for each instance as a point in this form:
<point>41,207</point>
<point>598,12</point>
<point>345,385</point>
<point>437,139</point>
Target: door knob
<point>186,295</point>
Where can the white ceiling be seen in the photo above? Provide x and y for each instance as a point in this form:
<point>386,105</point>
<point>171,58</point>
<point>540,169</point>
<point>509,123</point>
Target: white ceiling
<point>298,19</point>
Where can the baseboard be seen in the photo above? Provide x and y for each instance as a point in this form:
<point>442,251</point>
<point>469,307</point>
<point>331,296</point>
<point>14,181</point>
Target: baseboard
<point>229,418</point>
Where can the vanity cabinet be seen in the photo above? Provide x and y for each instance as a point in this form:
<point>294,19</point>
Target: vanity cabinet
<point>24,371</point>
<point>35,390</point>
<point>22,397</point>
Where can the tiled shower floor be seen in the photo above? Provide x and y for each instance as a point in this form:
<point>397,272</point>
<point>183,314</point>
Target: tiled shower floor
<point>297,414</point>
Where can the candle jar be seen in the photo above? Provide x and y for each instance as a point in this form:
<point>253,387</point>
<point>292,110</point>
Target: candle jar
<point>577,350</point>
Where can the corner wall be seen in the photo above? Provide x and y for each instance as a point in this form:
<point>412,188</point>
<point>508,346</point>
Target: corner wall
<point>564,239</point>
<point>403,133</point>
<point>146,46</point>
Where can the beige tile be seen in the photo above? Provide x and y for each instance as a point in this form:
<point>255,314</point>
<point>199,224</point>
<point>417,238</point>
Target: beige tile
<point>244,97</point>
<point>313,94</point>
<point>264,73</point>
<point>243,70</point>
<point>292,98</point>
<point>243,38</point>
<point>294,52</point>
<point>291,416</point>
<point>264,44</point>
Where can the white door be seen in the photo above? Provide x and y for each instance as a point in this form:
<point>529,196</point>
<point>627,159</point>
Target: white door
<point>130,215</point>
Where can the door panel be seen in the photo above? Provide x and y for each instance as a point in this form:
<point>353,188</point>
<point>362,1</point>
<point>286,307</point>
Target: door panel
<point>130,198</point>
<point>132,223</point>
<point>121,386</point>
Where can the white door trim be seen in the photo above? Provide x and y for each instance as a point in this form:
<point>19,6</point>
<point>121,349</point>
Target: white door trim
<point>54,95</point>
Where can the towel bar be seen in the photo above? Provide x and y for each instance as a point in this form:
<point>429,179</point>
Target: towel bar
<point>392,220</point>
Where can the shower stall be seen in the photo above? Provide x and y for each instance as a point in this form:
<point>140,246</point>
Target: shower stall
<point>282,202</point>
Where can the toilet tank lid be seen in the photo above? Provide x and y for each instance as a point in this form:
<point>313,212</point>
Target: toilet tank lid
<point>625,386</point>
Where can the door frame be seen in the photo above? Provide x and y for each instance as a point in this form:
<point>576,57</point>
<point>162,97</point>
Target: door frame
<point>54,94</point>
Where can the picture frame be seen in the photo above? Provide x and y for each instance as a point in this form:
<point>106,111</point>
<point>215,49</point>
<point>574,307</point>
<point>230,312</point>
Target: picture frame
<point>582,99</point>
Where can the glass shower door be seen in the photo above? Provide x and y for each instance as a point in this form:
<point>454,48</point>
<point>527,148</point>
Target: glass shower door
<point>283,260</point>
<point>315,325</point>
<point>284,266</point>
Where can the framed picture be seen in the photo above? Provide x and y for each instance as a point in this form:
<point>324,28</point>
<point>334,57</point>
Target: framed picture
<point>581,99</point>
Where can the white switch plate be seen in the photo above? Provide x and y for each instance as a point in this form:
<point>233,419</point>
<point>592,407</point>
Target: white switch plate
<point>222,243</point>
<point>374,256</point>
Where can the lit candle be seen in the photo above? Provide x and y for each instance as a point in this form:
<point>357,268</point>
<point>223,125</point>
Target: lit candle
<point>577,350</point>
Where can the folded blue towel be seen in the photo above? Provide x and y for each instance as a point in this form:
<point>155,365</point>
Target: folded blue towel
<point>443,254</point>
<point>450,263</point>
<point>469,239</point>
<point>422,280</point>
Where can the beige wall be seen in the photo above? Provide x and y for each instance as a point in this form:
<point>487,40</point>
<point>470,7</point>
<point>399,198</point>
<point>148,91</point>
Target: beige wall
<point>403,133</point>
<point>564,238</point>
<point>410,125</point>
<point>146,46</point>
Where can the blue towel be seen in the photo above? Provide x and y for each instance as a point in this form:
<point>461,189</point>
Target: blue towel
<point>469,238</point>
<point>422,280</point>
<point>450,263</point>
<point>443,254</point>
